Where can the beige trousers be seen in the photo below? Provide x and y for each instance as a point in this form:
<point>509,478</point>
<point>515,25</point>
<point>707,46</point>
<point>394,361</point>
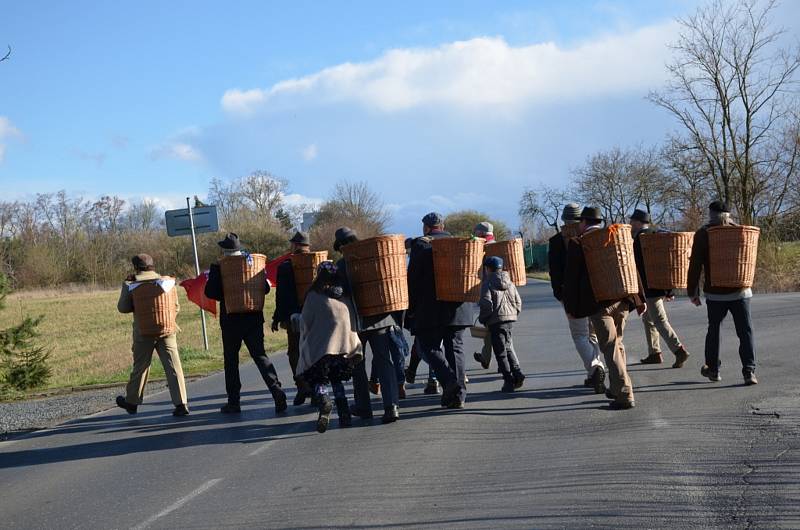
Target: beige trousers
<point>609,325</point>
<point>167,349</point>
<point>657,326</point>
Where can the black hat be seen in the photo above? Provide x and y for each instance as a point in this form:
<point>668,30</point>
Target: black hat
<point>433,219</point>
<point>143,262</point>
<point>592,213</point>
<point>571,212</point>
<point>231,242</point>
<point>719,206</point>
<point>641,216</point>
<point>344,235</point>
<point>300,238</point>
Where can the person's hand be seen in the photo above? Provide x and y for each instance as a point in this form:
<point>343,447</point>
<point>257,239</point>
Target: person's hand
<point>696,301</point>
<point>274,326</point>
<point>640,310</point>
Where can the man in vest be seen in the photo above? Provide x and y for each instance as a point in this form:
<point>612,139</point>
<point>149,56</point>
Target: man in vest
<point>143,346</point>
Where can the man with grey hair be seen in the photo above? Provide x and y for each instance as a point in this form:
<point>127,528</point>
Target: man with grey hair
<point>583,335</point>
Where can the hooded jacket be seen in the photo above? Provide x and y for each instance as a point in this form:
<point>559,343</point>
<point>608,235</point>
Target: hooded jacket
<point>500,301</point>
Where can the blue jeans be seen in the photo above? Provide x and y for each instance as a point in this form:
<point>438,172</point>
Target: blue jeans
<point>740,310</point>
<point>399,351</point>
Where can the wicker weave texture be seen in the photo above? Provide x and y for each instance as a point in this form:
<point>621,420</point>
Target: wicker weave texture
<point>666,259</point>
<point>243,283</point>
<point>456,267</point>
<point>378,274</point>
<point>304,267</point>
<point>155,310</point>
<point>513,258</point>
<point>732,254</point>
<point>610,262</point>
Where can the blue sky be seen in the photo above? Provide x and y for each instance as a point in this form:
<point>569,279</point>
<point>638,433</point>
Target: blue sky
<point>438,105</point>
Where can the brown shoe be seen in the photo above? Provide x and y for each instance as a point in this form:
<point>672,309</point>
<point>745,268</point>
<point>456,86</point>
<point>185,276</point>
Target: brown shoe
<point>375,387</point>
<point>653,358</point>
<point>401,390</point>
<point>680,357</point>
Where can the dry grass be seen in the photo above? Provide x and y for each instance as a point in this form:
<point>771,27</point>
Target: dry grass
<point>539,275</point>
<point>91,342</point>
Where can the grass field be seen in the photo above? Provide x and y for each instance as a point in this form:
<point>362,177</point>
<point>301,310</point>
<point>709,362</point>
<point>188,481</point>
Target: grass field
<point>90,342</point>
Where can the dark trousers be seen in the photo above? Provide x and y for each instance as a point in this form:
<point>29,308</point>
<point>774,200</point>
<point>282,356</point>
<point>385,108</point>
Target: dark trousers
<point>500,335</point>
<point>252,334</point>
<point>740,310</point>
<point>449,365</point>
<point>293,350</point>
<point>380,344</point>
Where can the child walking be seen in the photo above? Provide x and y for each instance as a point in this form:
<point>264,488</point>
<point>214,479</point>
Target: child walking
<point>500,305</point>
<point>328,345</point>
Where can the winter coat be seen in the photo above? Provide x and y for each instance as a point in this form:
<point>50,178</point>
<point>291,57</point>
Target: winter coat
<point>286,302</point>
<point>428,312</point>
<point>326,327</point>
<point>370,323</point>
<point>699,262</point>
<point>639,256</point>
<point>215,291</point>
<point>500,300</point>
<point>557,261</point>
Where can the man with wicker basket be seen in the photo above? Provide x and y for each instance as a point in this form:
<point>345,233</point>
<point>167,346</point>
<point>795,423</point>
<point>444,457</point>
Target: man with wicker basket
<point>580,329</point>
<point>153,300</point>
<point>607,316</point>
<point>655,320</point>
<point>246,326</point>
<point>721,300</point>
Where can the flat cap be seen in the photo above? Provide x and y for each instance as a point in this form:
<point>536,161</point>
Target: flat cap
<point>433,219</point>
<point>143,262</point>
<point>484,226</point>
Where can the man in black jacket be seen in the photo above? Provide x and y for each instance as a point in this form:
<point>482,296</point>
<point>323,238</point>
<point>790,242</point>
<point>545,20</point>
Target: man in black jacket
<point>237,328</point>
<point>655,320</point>
<point>438,323</point>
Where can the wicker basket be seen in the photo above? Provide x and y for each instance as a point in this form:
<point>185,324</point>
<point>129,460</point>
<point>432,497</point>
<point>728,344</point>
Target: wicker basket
<point>155,310</point>
<point>456,268</point>
<point>610,262</point>
<point>243,283</point>
<point>305,270</point>
<point>666,259</point>
<point>732,253</point>
<point>513,258</point>
<point>570,230</point>
<point>378,274</point>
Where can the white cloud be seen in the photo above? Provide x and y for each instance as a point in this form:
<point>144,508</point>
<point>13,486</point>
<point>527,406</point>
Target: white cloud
<point>7,131</point>
<point>309,153</point>
<point>484,71</point>
<point>177,150</point>
<point>296,199</point>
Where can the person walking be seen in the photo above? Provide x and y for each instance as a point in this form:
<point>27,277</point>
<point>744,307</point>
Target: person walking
<point>137,296</point>
<point>328,345</point>
<point>286,305</point>
<point>438,324</point>
<point>237,328</point>
<point>580,329</point>
<point>500,305</point>
<point>720,301</point>
<point>655,320</point>
<point>607,317</point>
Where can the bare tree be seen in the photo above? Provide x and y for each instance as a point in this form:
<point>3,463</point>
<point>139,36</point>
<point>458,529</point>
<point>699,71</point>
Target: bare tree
<point>351,204</point>
<point>542,205</point>
<point>142,216</point>
<point>105,213</point>
<point>6,56</point>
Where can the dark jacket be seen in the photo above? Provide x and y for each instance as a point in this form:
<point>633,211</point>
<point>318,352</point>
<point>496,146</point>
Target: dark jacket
<point>698,262</point>
<point>557,260</point>
<point>637,253</point>
<point>429,313</point>
<point>286,303</point>
<point>370,323</point>
<point>214,291</point>
<point>579,298</point>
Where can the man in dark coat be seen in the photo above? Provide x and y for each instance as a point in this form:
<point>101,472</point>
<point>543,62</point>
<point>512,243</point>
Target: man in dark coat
<point>655,320</point>
<point>237,328</point>
<point>373,330</point>
<point>287,304</point>
<point>608,317</point>
<point>438,323</point>
<point>720,301</point>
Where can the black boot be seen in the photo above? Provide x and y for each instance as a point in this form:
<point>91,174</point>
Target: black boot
<point>325,408</point>
<point>301,395</point>
<point>279,396</point>
<point>364,414</point>
<point>343,410</point>
<point>519,378</point>
<point>390,415</point>
<point>121,403</point>
<point>508,383</point>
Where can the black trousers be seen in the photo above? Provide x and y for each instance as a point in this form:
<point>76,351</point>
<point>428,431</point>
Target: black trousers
<point>381,347</point>
<point>448,365</point>
<point>252,334</point>
<point>501,344</point>
<point>740,310</point>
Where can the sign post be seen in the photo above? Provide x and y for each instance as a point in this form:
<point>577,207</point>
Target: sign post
<point>197,271</point>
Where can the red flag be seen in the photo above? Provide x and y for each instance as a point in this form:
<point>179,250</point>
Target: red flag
<point>271,268</point>
<point>195,291</point>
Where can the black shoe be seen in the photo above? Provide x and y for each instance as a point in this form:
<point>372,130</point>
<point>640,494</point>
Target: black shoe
<point>432,388</point>
<point>484,364</point>
<point>390,415</point>
<point>599,380</point>
<point>324,418</point>
<point>181,410</point>
<point>519,378</point>
<point>653,358</point>
<point>455,404</point>
<point>588,382</point>
<point>230,408</point>
<point>300,397</point>
<point>279,396</point>
<point>411,376</point>
<point>343,411</point>
<point>359,413</point>
<point>609,395</point>
<point>712,375</point>
<point>449,395</point>
<point>750,378</point>
<point>121,403</point>
<point>508,387</point>
<point>621,405</point>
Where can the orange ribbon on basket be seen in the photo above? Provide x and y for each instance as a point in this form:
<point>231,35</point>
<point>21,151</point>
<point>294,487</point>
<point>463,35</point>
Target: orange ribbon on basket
<point>612,231</point>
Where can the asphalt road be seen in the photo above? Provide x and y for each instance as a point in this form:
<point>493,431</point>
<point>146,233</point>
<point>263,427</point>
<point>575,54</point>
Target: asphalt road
<point>692,454</point>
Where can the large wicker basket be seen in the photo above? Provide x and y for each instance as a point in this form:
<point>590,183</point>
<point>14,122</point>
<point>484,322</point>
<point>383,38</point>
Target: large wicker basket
<point>666,259</point>
<point>155,311</point>
<point>513,258</point>
<point>456,267</point>
<point>243,282</point>
<point>611,263</point>
<point>377,271</point>
<point>570,230</point>
<point>732,253</point>
<point>305,270</point>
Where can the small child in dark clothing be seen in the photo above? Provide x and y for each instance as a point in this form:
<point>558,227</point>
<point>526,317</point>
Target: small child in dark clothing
<point>500,306</point>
